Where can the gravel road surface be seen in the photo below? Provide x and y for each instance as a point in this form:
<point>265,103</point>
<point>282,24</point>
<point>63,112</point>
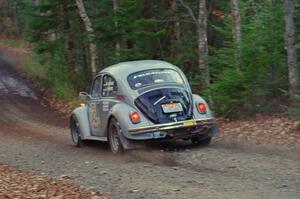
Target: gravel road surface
<point>33,137</point>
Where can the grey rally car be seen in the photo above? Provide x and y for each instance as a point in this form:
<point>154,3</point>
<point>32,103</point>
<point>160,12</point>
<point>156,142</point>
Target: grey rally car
<point>131,102</point>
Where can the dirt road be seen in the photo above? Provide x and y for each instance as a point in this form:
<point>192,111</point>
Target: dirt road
<point>35,138</point>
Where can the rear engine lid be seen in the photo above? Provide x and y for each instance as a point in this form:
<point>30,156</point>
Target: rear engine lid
<point>166,105</point>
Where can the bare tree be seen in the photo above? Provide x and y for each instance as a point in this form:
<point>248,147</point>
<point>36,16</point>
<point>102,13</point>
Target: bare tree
<point>236,30</point>
<point>201,24</point>
<point>236,26</point>
<point>69,41</point>
<point>9,25</point>
<point>202,43</point>
<point>89,29</point>
<point>290,42</point>
<point>175,36</point>
<point>115,8</point>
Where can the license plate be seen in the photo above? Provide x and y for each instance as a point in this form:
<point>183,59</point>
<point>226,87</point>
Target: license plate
<point>189,123</point>
<point>172,107</point>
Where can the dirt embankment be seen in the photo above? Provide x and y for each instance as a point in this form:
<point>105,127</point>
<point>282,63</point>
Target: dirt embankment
<point>18,57</point>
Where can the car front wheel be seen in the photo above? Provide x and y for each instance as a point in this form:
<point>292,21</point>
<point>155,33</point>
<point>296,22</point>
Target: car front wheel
<point>114,138</point>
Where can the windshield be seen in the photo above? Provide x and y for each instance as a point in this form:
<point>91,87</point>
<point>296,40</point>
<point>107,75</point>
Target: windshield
<point>155,76</point>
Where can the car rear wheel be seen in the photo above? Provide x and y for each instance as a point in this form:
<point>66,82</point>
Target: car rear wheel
<point>199,141</point>
<point>75,132</point>
<point>114,138</point>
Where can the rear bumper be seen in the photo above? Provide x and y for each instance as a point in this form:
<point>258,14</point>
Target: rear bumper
<point>176,130</point>
<point>203,124</point>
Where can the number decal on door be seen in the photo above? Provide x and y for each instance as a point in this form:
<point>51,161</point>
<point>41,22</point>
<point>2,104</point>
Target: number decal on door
<point>95,120</point>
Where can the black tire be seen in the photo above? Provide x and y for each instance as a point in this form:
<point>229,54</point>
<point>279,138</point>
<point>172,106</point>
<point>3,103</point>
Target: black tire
<point>114,138</point>
<point>75,133</point>
<point>199,141</point>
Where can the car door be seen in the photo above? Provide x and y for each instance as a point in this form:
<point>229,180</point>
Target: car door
<point>108,99</point>
<point>94,107</point>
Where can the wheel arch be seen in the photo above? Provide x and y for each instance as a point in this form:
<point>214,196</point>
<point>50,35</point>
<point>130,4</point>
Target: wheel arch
<point>82,116</point>
<point>110,117</point>
<point>198,99</point>
<point>121,113</point>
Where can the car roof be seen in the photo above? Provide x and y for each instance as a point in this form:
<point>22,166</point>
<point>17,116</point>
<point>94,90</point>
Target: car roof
<point>126,68</point>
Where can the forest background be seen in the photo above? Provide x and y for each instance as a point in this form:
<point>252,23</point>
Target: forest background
<point>241,55</point>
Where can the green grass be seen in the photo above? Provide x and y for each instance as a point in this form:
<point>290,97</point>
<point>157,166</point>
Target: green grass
<point>294,108</point>
<point>35,70</point>
<point>41,76</point>
<point>294,111</point>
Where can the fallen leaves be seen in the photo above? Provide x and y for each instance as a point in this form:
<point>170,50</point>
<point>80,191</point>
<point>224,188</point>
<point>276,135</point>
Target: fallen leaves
<point>15,184</point>
<point>263,129</point>
<point>59,105</point>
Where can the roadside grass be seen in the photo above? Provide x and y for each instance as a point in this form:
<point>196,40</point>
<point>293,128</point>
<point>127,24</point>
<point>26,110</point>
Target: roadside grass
<point>294,111</point>
<point>36,71</point>
<point>42,75</point>
<point>294,108</point>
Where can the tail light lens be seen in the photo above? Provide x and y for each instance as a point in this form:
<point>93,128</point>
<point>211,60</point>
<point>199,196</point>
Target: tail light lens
<point>135,117</point>
<point>120,97</point>
<point>202,108</point>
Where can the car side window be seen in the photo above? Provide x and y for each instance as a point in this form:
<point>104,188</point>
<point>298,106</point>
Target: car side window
<point>109,86</point>
<point>96,87</point>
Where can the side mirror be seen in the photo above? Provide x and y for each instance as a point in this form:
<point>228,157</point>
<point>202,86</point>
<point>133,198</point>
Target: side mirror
<point>84,96</point>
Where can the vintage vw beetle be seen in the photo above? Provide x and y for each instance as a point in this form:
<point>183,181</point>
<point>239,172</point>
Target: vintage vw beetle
<point>137,101</point>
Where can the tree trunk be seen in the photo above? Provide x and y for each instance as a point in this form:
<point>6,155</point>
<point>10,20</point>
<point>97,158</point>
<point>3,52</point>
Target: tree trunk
<point>89,29</point>
<point>202,43</point>
<point>15,18</point>
<point>118,46</point>
<point>236,30</point>
<point>175,34</point>
<point>290,42</point>
<point>69,42</point>
<point>236,25</point>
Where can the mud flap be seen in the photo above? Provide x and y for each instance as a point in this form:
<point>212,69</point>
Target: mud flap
<point>128,144</point>
<point>214,131</point>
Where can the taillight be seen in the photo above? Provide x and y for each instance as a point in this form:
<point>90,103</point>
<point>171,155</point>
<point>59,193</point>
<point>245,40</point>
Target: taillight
<point>202,108</point>
<point>135,117</point>
<point>120,97</point>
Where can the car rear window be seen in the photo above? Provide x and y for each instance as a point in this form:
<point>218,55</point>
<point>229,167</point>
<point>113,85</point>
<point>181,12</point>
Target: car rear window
<point>155,76</point>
